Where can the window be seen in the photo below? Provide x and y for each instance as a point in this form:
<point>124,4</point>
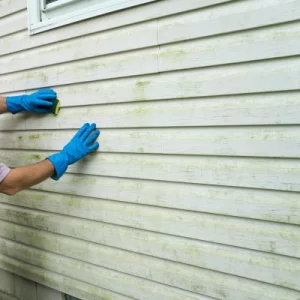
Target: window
<point>48,14</point>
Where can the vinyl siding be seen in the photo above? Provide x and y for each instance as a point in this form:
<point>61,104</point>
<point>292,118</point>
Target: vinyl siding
<point>194,193</point>
<point>14,287</point>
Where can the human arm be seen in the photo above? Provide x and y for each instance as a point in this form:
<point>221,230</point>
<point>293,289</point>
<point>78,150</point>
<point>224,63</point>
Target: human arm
<point>24,177</point>
<point>3,106</point>
<point>55,166</point>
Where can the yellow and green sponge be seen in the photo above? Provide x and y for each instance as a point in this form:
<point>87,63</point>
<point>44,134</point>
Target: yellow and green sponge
<point>55,108</point>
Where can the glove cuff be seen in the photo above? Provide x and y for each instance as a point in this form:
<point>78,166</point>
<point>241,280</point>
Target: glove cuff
<point>60,163</point>
<point>14,104</point>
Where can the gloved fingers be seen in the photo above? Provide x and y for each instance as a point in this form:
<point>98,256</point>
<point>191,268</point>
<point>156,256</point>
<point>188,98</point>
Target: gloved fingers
<point>47,91</point>
<point>88,131</point>
<point>82,130</point>
<point>93,147</point>
<point>43,103</point>
<point>47,96</point>
<point>41,110</point>
<point>92,138</point>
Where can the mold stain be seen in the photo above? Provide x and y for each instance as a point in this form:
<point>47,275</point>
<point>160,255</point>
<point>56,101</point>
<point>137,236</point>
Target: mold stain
<point>142,84</point>
<point>173,53</point>
<point>141,150</point>
<point>140,90</point>
<point>40,75</point>
<point>33,137</point>
<point>272,247</point>
<point>36,156</point>
<point>83,180</point>
<point>140,110</point>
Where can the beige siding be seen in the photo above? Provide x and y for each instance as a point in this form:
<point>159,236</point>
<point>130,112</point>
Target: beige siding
<point>194,193</point>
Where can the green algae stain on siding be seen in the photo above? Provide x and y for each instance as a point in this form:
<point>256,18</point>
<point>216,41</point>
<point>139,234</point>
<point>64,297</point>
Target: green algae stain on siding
<point>142,83</point>
<point>140,90</point>
<point>33,137</point>
<point>27,158</point>
<point>42,76</point>
<point>36,156</point>
<point>172,53</point>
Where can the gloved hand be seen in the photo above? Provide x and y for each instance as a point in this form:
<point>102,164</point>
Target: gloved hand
<point>81,144</point>
<point>38,102</point>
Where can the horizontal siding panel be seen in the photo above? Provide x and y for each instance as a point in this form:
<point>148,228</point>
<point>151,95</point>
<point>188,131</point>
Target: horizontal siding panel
<point>251,78</point>
<point>248,203</point>
<point>13,23</point>
<point>233,141</point>
<point>159,10</point>
<point>192,224</point>
<point>6,282</point>
<point>231,17</point>
<point>256,235</point>
<point>128,38</point>
<point>266,43</point>
<point>120,65</point>
<point>57,281</point>
<point>139,14</point>
<point>227,171</point>
<point>7,297</point>
<point>280,270</point>
<point>255,77</point>
<point>8,7</point>
<point>232,287</point>
<point>257,109</point>
<point>277,41</point>
<point>101,277</point>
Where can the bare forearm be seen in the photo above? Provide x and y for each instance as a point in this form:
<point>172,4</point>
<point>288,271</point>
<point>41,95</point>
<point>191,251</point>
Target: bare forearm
<point>25,177</point>
<point>3,107</point>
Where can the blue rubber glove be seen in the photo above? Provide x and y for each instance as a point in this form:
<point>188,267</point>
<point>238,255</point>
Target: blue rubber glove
<point>81,145</point>
<point>38,102</point>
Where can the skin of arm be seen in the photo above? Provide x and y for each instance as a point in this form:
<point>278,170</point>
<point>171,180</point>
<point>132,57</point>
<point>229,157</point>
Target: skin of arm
<point>3,106</point>
<point>25,177</point>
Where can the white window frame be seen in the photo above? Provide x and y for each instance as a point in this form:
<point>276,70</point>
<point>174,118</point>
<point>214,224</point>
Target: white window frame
<point>42,17</point>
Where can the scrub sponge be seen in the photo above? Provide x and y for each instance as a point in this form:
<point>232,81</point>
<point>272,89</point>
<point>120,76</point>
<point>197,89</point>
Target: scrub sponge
<point>55,108</point>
